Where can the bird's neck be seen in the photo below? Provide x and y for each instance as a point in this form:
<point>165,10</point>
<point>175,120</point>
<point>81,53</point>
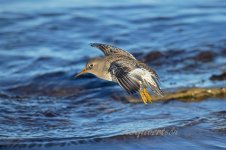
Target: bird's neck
<point>103,72</point>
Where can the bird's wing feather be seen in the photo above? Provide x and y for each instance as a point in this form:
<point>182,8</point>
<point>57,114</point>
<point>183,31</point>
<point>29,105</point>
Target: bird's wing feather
<point>109,50</point>
<point>121,72</point>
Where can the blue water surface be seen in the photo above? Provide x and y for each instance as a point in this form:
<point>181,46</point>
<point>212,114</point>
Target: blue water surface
<point>44,43</point>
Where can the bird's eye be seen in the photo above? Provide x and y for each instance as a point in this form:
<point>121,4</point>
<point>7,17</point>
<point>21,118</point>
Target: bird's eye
<point>91,65</point>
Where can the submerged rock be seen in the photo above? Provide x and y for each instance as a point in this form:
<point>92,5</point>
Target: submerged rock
<point>187,95</point>
<point>219,77</point>
<point>154,55</point>
<point>206,56</point>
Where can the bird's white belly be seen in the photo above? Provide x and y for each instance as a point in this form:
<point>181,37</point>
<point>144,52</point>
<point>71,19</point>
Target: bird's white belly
<point>144,74</point>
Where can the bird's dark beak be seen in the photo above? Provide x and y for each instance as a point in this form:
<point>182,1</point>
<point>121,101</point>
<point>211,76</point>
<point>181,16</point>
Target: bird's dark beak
<point>81,73</point>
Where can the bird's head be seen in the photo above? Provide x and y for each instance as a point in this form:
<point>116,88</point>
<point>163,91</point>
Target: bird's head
<point>92,67</point>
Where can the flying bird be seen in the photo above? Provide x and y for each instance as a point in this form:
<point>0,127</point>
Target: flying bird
<point>123,68</point>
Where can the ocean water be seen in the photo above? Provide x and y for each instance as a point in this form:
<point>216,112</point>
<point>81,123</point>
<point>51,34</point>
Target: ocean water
<point>44,43</point>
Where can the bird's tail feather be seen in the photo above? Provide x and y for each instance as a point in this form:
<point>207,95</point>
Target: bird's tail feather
<point>154,86</point>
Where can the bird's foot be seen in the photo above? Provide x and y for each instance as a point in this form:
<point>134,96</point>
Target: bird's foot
<point>142,95</point>
<point>147,95</point>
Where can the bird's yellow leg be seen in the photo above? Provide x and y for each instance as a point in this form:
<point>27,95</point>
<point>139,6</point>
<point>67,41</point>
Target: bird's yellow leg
<point>147,95</point>
<point>142,95</point>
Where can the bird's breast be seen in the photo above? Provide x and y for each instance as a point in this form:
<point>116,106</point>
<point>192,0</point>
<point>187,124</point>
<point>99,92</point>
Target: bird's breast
<point>104,75</point>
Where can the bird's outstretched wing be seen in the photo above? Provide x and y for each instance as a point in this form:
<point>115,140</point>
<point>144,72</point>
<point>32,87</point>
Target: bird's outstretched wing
<point>120,73</point>
<point>109,50</point>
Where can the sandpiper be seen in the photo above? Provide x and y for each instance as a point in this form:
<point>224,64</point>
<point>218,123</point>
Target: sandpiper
<point>123,68</point>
